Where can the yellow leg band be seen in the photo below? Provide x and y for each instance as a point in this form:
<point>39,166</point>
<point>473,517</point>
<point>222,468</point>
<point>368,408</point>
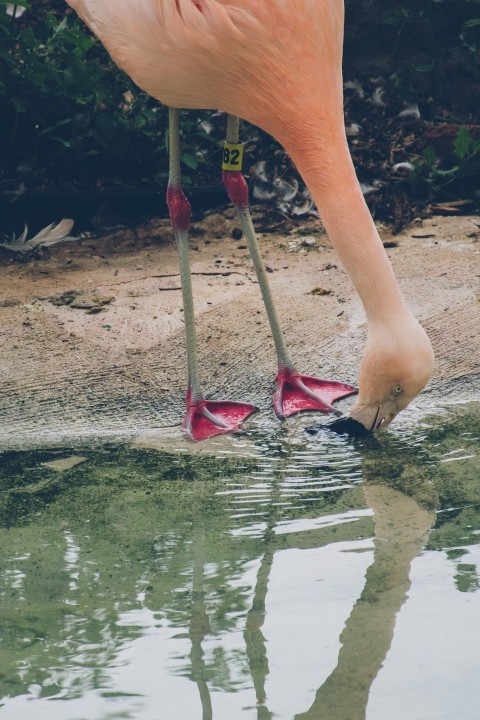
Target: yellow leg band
<point>232,156</point>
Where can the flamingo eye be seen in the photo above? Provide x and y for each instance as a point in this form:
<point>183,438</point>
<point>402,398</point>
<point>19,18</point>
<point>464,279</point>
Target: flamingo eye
<point>397,389</point>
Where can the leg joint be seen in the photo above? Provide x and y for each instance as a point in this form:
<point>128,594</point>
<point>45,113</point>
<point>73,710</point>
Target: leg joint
<point>237,188</point>
<point>178,207</point>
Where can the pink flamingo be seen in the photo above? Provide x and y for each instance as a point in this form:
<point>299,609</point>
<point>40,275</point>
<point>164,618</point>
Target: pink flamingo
<point>277,64</point>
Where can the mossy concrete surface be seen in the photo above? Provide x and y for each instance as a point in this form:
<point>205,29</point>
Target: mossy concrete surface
<point>70,374</point>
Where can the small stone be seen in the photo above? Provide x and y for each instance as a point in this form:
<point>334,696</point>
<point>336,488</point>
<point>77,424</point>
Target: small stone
<point>65,298</point>
<point>320,291</point>
<point>92,302</point>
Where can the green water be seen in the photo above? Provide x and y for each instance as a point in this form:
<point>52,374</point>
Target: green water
<point>310,578</point>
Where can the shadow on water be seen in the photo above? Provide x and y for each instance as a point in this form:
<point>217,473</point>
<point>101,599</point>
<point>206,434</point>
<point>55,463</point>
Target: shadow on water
<point>309,580</point>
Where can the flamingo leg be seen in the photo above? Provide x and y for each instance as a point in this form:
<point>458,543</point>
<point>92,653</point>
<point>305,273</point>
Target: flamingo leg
<point>294,392</point>
<point>204,418</point>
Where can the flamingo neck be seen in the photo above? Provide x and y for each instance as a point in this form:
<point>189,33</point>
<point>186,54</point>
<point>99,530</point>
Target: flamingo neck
<point>328,172</point>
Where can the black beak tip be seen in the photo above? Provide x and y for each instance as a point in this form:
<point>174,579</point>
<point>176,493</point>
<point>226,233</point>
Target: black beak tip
<point>342,426</point>
<point>349,426</point>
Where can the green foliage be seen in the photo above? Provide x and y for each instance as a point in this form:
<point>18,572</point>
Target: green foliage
<point>441,179</point>
<point>429,50</point>
<point>66,111</point>
<point>427,46</point>
<point>68,115</point>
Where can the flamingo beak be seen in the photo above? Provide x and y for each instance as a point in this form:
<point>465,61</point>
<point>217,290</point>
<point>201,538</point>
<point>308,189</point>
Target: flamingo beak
<point>346,426</point>
<point>363,420</point>
<point>349,426</point>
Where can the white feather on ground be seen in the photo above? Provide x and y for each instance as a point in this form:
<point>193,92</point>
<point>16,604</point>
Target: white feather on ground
<point>50,235</point>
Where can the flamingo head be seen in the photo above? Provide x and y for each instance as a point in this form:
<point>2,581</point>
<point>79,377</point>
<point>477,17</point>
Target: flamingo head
<point>397,364</point>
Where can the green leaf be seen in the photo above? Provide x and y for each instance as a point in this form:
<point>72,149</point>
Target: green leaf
<point>190,161</point>
<point>64,143</point>
<point>19,105</point>
<point>462,143</point>
<point>48,130</point>
<point>5,55</point>
<point>28,37</point>
<point>430,156</point>
<point>426,67</point>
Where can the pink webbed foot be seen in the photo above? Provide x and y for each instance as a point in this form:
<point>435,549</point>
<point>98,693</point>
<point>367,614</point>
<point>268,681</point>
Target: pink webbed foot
<point>207,418</point>
<point>296,392</point>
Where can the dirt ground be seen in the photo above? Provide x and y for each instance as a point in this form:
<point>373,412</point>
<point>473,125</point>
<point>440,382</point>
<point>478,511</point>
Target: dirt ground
<point>92,339</point>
